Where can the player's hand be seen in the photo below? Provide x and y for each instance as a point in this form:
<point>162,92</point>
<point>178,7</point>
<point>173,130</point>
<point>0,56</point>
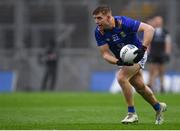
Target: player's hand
<point>140,53</point>
<point>121,63</point>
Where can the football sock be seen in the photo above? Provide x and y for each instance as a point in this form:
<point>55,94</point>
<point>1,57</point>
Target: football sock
<point>156,107</point>
<point>131,109</point>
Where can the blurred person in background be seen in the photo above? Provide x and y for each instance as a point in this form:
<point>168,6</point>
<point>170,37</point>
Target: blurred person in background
<point>112,33</point>
<point>50,59</point>
<point>159,53</point>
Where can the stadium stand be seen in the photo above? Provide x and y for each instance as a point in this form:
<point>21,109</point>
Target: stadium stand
<point>26,26</point>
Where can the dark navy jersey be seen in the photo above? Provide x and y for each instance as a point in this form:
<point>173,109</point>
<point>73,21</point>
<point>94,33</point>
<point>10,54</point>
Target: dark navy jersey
<point>124,32</point>
<point>158,42</point>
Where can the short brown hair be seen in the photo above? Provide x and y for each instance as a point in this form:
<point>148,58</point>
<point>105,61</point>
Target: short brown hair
<point>104,9</point>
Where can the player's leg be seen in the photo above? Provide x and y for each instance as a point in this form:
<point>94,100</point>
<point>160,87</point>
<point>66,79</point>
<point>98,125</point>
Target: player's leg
<point>161,77</point>
<point>45,80</point>
<point>153,72</point>
<point>123,77</point>
<point>53,78</point>
<point>147,94</point>
<point>142,89</point>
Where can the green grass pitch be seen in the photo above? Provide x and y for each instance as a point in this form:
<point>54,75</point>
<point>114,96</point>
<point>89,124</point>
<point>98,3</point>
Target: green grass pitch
<point>81,111</point>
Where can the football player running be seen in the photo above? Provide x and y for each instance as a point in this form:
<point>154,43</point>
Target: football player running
<point>112,33</point>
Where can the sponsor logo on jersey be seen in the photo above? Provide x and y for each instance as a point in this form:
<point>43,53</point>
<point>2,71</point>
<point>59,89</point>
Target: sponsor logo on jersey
<point>115,37</point>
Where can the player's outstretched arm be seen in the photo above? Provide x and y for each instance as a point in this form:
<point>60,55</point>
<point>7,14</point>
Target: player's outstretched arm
<point>106,54</point>
<point>148,33</point>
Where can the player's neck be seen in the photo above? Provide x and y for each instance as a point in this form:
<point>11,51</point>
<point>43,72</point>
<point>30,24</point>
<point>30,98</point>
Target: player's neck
<point>111,24</point>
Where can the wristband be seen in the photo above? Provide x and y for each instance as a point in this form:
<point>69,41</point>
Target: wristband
<point>144,47</point>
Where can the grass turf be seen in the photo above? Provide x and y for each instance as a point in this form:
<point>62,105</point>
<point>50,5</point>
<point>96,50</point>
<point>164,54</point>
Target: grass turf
<point>81,111</point>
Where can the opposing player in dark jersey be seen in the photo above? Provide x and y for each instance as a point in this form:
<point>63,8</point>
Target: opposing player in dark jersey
<point>112,33</point>
<point>159,53</point>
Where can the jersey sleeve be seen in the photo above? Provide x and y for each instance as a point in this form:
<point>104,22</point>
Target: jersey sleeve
<point>129,24</point>
<point>99,38</point>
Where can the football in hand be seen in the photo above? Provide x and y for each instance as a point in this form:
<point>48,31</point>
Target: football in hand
<point>127,53</point>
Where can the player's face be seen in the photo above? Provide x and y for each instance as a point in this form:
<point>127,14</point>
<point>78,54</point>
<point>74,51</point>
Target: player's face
<point>102,20</point>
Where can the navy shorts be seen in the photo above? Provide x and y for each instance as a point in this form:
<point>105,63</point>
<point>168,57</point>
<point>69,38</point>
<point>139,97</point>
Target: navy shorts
<point>157,59</point>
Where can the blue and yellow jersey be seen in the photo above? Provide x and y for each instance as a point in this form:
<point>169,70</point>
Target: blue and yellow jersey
<point>124,32</point>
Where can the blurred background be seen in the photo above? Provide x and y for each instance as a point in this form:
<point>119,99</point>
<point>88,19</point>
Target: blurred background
<point>30,29</point>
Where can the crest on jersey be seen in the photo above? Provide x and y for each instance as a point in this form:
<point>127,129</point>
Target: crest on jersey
<point>123,34</point>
